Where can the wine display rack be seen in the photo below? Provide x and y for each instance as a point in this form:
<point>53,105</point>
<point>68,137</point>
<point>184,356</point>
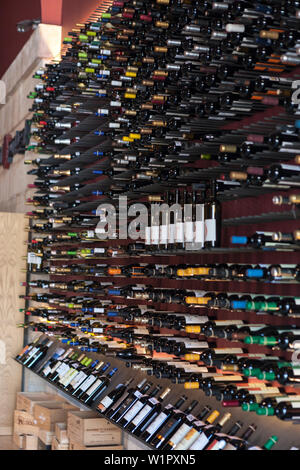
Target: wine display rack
<point>205,122</point>
<point>266,426</point>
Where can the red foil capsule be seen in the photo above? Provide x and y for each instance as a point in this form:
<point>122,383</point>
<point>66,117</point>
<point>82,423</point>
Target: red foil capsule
<point>229,403</point>
<point>146,18</point>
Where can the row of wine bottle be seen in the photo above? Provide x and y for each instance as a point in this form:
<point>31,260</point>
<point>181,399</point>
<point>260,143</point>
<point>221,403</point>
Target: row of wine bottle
<point>87,380</point>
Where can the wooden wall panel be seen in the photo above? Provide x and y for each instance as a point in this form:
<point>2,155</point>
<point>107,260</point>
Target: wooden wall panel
<point>12,248</point>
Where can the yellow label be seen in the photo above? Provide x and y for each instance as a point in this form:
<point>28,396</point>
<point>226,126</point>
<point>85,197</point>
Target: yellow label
<point>192,357</point>
<point>180,272</point>
<point>197,300</point>
<point>191,385</point>
<point>135,136</point>
<point>129,96</point>
<point>193,329</point>
<point>127,139</point>
<point>213,416</point>
<point>201,271</point>
<point>130,74</point>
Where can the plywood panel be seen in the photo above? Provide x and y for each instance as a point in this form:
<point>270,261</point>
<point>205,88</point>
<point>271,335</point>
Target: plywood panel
<point>12,248</point>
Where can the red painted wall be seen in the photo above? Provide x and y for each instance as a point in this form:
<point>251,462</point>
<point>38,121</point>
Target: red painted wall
<point>11,12</point>
<point>64,12</point>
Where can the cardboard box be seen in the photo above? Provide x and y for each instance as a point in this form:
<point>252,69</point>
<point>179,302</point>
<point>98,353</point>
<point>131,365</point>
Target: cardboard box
<point>56,445</point>
<point>42,446</point>
<point>47,414</point>
<point>26,401</point>
<point>19,440</point>
<point>89,429</point>
<point>25,423</point>
<point>46,436</point>
<point>76,446</point>
<point>31,442</point>
<point>61,433</point>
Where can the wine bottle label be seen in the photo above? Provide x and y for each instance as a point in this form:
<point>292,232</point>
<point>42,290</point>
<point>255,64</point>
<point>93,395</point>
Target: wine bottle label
<point>189,232</point>
<point>210,230</point>
<point>228,350</point>
<point>133,411</point>
<point>295,404</point>
<point>93,386</point>
<point>98,310</point>
<point>157,422</point>
<point>171,233</point>
<point>163,234</point>
<point>33,259</point>
<point>190,437</point>
<point>116,83</point>
<point>105,403</point>
<point>199,236</point>
<point>62,369</point>
<point>46,371</point>
<point>179,435</point>
<point>70,378</point>
<point>194,344</point>
<point>228,378</point>
<point>77,380</point>
<point>141,415</point>
<point>179,232</point>
<point>215,444</point>
<point>155,234</point>
<point>148,236</point>
<point>88,383</point>
<point>195,319</point>
<point>200,443</point>
<point>290,167</point>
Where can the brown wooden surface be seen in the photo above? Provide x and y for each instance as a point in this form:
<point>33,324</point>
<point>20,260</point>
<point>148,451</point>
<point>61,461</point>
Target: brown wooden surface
<point>12,248</point>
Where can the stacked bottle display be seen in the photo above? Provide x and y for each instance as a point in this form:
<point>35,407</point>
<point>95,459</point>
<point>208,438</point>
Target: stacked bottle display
<point>164,228</point>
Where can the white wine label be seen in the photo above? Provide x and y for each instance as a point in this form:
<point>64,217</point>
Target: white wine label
<point>290,167</point>
<point>99,310</point>
<point>99,250</point>
<point>179,435</point>
<point>200,443</point>
<point>47,371</point>
<point>88,383</point>
<point>194,344</point>
<point>141,415</point>
<point>295,404</point>
<point>195,319</point>
<point>76,381</point>
<point>93,387</point>
<point>189,232</point>
<point>190,437</point>
<point>106,402</point>
<point>163,235</point>
<point>228,378</point>
<point>133,411</point>
<point>155,234</point>
<point>116,83</point>
<point>148,236</point>
<point>179,232</point>
<point>156,423</point>
<point>115,104</point>
<point>228,350</point>
<point>171,234</point>
<point>210,230</point>
<point>199,232</point>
